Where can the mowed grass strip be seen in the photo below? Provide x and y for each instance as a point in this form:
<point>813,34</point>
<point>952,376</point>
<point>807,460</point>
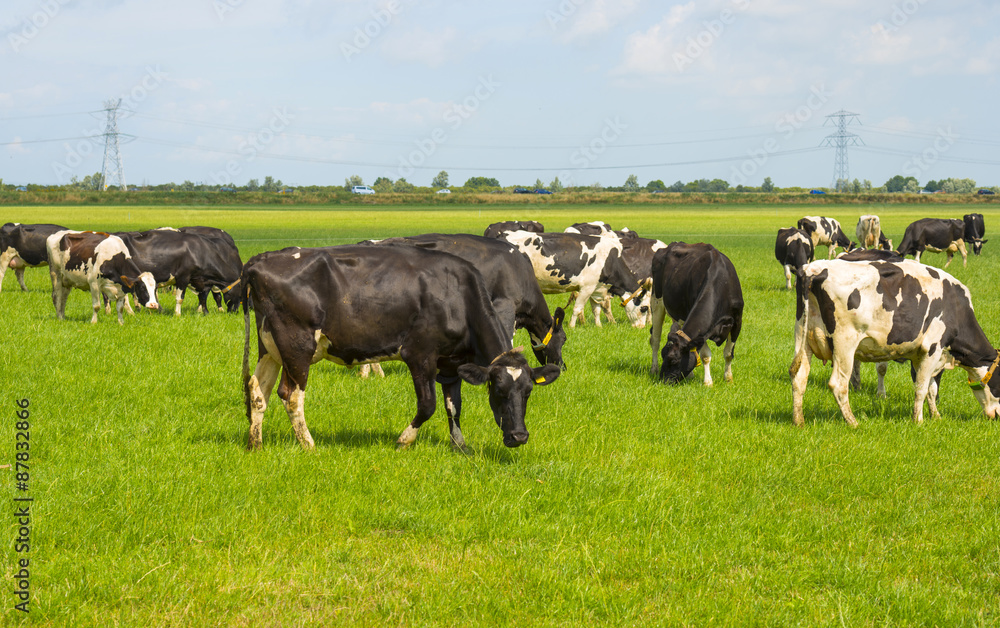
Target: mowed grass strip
<point>633,502</point>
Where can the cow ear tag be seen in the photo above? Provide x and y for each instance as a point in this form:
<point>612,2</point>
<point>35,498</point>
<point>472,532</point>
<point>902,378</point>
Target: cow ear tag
<point>976,385</point>
<point>540,380</point>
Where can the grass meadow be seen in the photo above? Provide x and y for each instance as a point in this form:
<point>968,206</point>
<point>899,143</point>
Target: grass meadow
<point>634,503</point>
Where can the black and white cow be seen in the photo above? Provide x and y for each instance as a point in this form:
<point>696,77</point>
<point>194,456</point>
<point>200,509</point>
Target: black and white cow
<point>869,232</point>
<point>179,259</point>
<point>975,229</point>
<point>497,229</point>
<point>880,311</point>
<point>99,263</point>
<point>594,227</point>
<point>697,286</point>
<point>23,246</point>
<point>793,249</point>
<point>570,262</point>
<point>638,255</point>
<point>358,304</point>
<point>825,232</point>
<point>935,235</point>
<point>227,257</point>
<point>511,283</point>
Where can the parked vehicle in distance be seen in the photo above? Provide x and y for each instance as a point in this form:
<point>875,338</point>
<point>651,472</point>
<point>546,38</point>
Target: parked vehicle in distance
<point>521,191</point>
<point>443,191</point>
<point>817,192</point>
<point>362,189</point>
<point>541,191</point>
<point>985,191</point>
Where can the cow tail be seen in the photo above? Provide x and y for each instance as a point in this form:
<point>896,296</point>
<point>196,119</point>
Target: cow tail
<point>803,286</point>
<point>245,289</point>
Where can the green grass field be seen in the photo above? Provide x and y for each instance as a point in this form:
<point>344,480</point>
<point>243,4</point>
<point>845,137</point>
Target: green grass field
<point>634,503</point>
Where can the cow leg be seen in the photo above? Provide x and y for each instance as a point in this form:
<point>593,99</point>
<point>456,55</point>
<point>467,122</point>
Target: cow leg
<point>178,300</point>
<point>217,295</point>
<point>59,294</point>
<point>259,387</point>
<point>706,359</point>
<point>843,363</point>
<point>799,372</point>
<point>5,261</point>
<point>606,308</point>
<point>788,276</point>
<point>961,249</point>
<point>881,368</point>
<point>368,369</point>
<point>657,314</point>
<point>856,376</point>
<point>728,353</point>
<point>423,372</point>
<point>453,406</point>
<point>916,256</point>
<point>950,255</point>
<point>19,274</point>
<point>581,301</point>
<point>921,386</point>
<point>293,397</point>
<point>95,301</point>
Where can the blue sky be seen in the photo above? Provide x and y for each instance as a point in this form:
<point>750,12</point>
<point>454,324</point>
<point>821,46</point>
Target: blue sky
<point>591,91</point>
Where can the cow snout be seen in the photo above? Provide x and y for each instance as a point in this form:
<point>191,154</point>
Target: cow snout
<point>515,439</point>
<point>153,306</point>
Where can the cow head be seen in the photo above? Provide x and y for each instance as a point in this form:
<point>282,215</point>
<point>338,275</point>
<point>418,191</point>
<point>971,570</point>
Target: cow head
<point>680,356</point>
<point>637,304</point>
<point>143,287</point>
<point>548,350</point>
<point>509,380</point>
<point>987,389</point>
<point>977,246</point>
<point>231,295</point>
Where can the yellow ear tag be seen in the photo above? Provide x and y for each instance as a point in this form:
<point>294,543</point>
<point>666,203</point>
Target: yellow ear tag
<point>540,380</point>
<point>697,357</point>
<point>548,337</point>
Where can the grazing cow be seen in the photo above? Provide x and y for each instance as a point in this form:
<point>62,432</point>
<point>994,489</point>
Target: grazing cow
<point>826,232</point>
<point>595,227</point>
<point>975,229</point>
<point>23,246</point>
<point>870,236</point>
<point>511,283</point>
<point>358,304</point>
<point>699,288</point>
<point>497,229</point>
<point>638,255</point>
<point>228,256</point>
<point>880,311</point>
<point>100,263</point>
<point>935,235</point>
<point>568,262</point>
<point>179,259</point>
<point>793,249</point>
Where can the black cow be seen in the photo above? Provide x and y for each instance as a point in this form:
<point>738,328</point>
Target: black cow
<point>825,232</point>
<point>793,249</point>
<point>100,264</point>
<point>227,256</point>
<point>935,235</point>
<point>23,246</point>
<point>699,288</point>
<point>569,262</point>
<point>497,229</point>
<point>360,304</point>
<point>511,283</point>
<point>880,311</point>
<point>185,259</point>
<point>975,229</point>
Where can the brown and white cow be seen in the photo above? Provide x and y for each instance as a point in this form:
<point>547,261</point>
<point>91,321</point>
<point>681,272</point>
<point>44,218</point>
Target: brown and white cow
<point>698,287</point>
<point>937,235</point>
<point>869,232</point>
<point>99,263</point>
<point>825,232</point>
<point>881,311</point>
<point>570,262</point>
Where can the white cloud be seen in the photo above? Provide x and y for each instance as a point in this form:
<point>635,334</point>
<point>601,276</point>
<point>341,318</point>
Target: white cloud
<point>586,20</point>
<point>432,49</point>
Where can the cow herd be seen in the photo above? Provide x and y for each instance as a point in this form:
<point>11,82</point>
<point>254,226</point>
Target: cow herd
<point>448,305</point>
<point>870,304</point>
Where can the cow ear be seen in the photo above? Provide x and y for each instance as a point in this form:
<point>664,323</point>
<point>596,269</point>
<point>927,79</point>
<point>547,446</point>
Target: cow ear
<point>984,241</point>
<point>473,374</point>
<point>545,374</point>
<point>560,314</point>
<point>128,283</point>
